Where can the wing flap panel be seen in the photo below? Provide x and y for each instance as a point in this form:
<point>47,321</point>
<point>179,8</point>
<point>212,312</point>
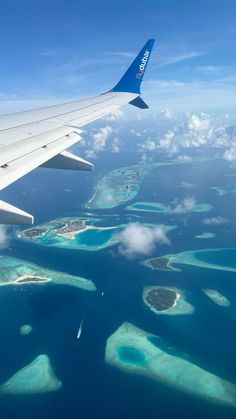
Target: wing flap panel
<point>13,215</point>
<point>68,161</point>
<point>24,164</point>
<point>22,148</point>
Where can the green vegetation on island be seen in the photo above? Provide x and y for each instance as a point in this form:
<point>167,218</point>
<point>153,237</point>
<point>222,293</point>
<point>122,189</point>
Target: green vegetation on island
<point>36,377</point>
<point>166,300</point>
<point>223,259</point>
<point>120,185</point>
<point>63,233</point>
<point>19,272</point>
<point>73,233</point>
<point>135,351</point>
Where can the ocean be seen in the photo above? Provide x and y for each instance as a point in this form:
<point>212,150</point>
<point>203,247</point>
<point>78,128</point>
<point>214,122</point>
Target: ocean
<point>91,387</point>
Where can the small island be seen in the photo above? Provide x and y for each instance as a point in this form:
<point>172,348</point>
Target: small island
<point>166,300</point>
<point>121,185</point>
<point>162,263</point>
<point>74,233</point>
<point>216,297</point>
<point>148,207</point>
<point>158,207</point>
<point>18,272</point>
<point>35,232</point>
<point>160,299</point>
<point>206,235</point>
<point>136,351</point>
<point>26,329</point>
<point>223,259</point>
<point>64,233</point>
<point>36,377</point>
<point>224,190</point>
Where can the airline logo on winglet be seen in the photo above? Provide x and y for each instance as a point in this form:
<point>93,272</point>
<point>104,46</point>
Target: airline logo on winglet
<point>143,64</point>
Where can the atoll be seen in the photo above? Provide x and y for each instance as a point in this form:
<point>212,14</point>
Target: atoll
<point>135,351</point>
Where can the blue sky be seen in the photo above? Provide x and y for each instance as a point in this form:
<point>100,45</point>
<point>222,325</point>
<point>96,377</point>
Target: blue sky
<point>58,50</point>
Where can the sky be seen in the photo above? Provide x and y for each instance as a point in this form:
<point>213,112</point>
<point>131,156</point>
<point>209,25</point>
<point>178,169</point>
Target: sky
<point>53,51</point>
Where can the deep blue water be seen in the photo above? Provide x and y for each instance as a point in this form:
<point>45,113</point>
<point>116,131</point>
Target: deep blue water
<point>91,388</point>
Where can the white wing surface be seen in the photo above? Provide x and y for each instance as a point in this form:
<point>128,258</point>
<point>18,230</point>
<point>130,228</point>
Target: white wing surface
<point>40,137</point>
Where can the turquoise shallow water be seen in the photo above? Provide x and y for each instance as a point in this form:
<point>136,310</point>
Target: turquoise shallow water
<point>95,238</point>
<point>92,388</point>
<point>222,257</point>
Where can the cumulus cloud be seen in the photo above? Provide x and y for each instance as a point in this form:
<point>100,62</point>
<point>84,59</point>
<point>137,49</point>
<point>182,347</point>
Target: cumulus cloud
<point>115,146</point>
<point>166,113</point>
<point>114,115</point>
<point>184,157</point>
<point>230,154</point>
<point>215,221</point>
<point>187,185</point>
<point>195,132</point>
<point>4,238</point>
<point>90,154</point>
<point>100,138</point>
<point>138,239</point>
<point>98,142</point>
<point>184,207</point>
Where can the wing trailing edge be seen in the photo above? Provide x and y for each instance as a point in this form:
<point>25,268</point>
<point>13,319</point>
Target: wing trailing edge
<point>68,161</point>
<point>13,215</point>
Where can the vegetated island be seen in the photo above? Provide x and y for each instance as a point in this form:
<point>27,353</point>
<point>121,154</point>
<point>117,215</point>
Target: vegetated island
<point>135,351</point>
<point>15,271</point>
<point>162,263</point>
<point>166,300</point>
<point>73,233</point>
<point>223,259</point>
<point>216,297</point>
<point>36,377</point>
<point>64,233</point>
<point>121,185</point>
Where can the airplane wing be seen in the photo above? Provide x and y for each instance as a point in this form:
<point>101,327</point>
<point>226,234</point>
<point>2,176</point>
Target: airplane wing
<point>39,138</point>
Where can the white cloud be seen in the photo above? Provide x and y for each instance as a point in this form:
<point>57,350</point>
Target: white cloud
<point>195,132</point>
<point>230,154</point>
<point>90,154</point>
<point>187,185</point>
<point>184,207</point>
<point>184,157</point>
<point>149,145</point>
<point>177,58</point>
<point>115,146</point>
<point>138,239</point>
<point>100,138</point>
<point>114,115</point>
<point>199,122</point>
<point>4,238</point>
<point>215,221</point>
<point>166,113</point>
<point>98,142</point>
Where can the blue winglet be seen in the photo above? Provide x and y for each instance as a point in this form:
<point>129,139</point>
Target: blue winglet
<point>132,79</point>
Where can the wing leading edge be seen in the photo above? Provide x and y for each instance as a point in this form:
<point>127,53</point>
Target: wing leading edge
<point>40,137</point>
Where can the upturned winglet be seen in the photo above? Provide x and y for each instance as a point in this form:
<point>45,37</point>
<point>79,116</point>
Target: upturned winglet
<point>132,79</point>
